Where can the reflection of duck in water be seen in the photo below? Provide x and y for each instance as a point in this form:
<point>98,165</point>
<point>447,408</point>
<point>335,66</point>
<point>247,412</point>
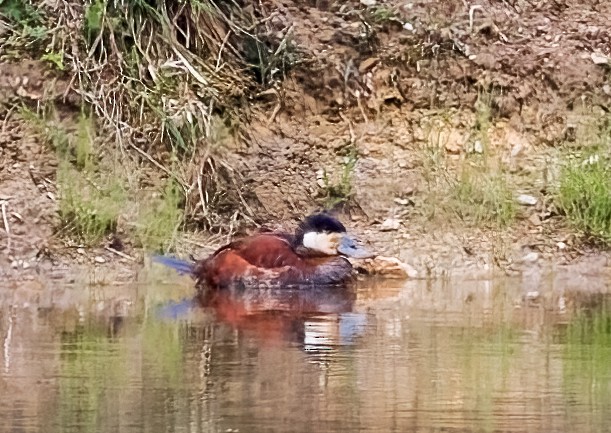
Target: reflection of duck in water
<point>286,314</point>
<point>315,255</point>
<point>317,318</point>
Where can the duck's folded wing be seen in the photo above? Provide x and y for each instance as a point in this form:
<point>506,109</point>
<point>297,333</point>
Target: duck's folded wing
<point>267,251</point>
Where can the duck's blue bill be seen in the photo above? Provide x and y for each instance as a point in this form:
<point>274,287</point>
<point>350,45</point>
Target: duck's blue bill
<point>350,248</point>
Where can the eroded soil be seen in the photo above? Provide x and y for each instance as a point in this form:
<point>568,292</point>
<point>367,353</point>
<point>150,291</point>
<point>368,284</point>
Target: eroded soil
<point>391,92</point>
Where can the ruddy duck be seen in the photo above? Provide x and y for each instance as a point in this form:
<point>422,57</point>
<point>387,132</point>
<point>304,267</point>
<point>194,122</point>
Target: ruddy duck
<point>314,255</point>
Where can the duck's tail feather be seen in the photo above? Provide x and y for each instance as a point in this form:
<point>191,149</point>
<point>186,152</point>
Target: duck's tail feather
<point>182,266</point>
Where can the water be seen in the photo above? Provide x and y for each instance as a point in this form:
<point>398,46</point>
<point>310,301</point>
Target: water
<point>474,356</point>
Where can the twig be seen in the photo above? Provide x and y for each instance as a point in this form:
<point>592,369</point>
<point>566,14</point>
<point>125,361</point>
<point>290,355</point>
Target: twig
<point>277,108</point>
<point>472,10</point>
<point>360,105</point>
<point>350,128</point>
<point>7,342</point>
<point>190,67</point>
<point>7,117</point>
<point>120,254</point>
<point>218,58</point>
<point>7,228</point>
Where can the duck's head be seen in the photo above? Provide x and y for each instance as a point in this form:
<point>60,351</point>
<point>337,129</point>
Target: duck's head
<point>323,234</point>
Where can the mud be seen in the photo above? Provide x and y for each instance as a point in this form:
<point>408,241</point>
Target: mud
<point>386,82</point>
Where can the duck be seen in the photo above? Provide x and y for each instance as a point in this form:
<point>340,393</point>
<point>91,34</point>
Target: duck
<point>317,254</point>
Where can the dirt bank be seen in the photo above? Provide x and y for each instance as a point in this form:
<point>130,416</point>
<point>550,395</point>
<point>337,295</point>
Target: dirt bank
<point>386,108</point>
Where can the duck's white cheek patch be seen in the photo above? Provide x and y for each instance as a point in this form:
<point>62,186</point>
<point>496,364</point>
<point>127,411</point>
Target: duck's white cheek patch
<point>325,243</point>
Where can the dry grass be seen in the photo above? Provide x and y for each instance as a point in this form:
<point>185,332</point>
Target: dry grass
<point>166,83</point>
<point>473,187</point>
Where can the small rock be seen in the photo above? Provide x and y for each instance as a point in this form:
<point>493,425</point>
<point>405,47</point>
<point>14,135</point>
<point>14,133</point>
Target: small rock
<point>453,148</point>
<point>561,245</point>
<point>25,265</point>
<point>599,59</point>
<point>530,257</point>
<point>368,2</point>
<point>478,147</point>
<point>402,201</point>
<point>409,27</point>
<point>14,264</point>
<point>390,267</point>
<point>535,220</point>
<point>516,150</point>
<point>607,89</point>
<point>390,224</point>
<point>367,64</point>
<point>527,200</point>
<point>533,295</point>
<point>99,259</point>
<point>80,250</point>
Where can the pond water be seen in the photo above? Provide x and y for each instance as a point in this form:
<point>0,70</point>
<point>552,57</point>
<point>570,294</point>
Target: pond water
<point>464,356</point>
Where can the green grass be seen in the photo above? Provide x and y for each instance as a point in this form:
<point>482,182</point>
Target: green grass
<point>89,206</point>
<point>584,196</point>
<point>340,190</point>
<point>481,196</point>
<point>94,189</point>
<point>160,218</point>
<point>471,188</point>
<point>91,195</point>
<point>27,29</point>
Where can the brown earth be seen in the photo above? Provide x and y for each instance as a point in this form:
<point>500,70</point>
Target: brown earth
<point>391,91</point>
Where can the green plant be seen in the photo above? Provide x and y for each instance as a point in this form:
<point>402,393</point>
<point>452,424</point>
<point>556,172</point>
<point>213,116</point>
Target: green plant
<point>75,148</point>
<point>160,218</point>
<point>268,64</point>
<point>54,58</point>
<point>26,24</point>
<point>89,207</point>
<point>340,191</point>
<point>473,187</point>
<point>90,200</point>
<point>480,196</point>
<point>382,14</point>
<point>483,122</point>
<point>584,195</point>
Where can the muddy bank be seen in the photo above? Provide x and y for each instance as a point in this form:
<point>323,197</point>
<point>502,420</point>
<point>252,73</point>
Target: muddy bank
<point>386,107</point>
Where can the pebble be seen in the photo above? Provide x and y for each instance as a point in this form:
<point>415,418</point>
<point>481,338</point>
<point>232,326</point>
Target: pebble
<point>535,220</point>
<point>530,257</point>
<point>402,201</point>
<point>368,2</point>
<point>80,250</point>
<point>527,200</point>
<point>599,59</point>
<point>532,295</point>
<point>99,259</point>
<point>390,224</point>
<point>561,245</point>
